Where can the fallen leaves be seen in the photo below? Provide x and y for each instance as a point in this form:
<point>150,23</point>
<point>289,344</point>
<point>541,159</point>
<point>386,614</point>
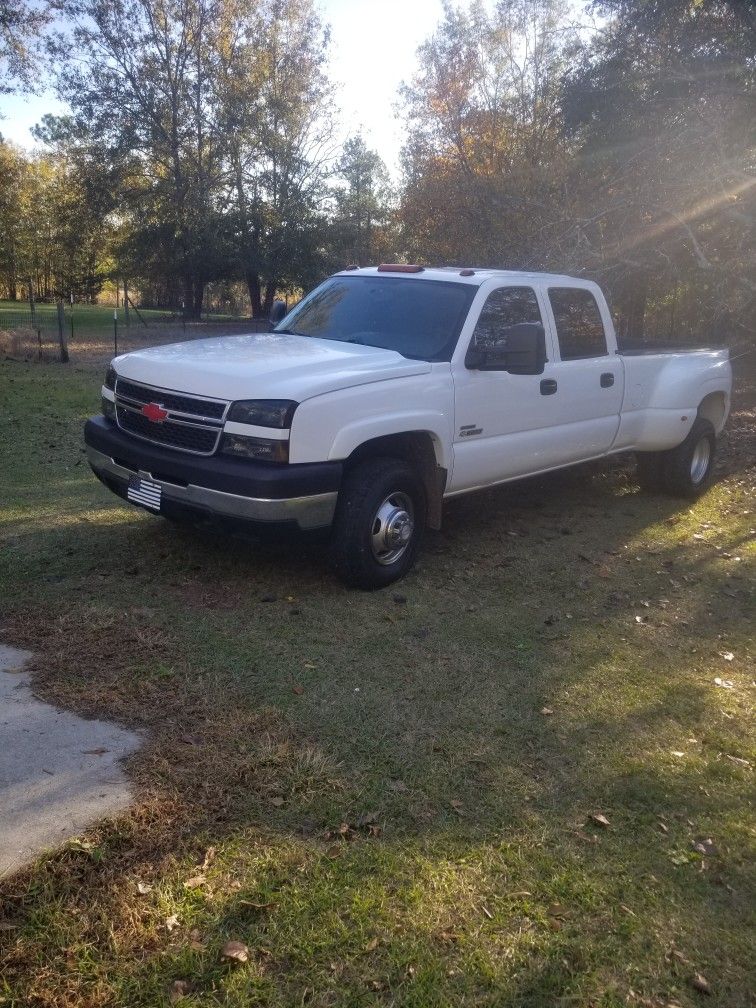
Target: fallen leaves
<point>195,941</point>
<point>235,952</point>
<point>546,711</point>
<point>701,984</point>
<point>737,760</point>
<point>179,989</point>
<point>195,882</point>
<point>171,923</point>
<point>600,819</point>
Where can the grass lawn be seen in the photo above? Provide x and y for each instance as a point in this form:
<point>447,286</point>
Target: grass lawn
<point>522,777</point>
<point>87,318</point>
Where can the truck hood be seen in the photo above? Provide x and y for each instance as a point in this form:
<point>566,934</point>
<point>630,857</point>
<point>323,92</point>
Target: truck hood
<point>264,366</point>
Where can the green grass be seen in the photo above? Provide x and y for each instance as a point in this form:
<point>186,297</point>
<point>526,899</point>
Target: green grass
<point>88,319</point>
<point>366,783</point>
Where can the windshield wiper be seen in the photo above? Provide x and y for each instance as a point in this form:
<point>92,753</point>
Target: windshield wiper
<point>287,332</point>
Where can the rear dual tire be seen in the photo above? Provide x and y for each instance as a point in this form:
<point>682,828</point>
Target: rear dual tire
<point>684,471</point>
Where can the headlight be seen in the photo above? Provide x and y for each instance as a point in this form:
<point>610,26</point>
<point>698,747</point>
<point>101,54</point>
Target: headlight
<point>261,449</point>
<point>263,412</point>
<point>110,378</point>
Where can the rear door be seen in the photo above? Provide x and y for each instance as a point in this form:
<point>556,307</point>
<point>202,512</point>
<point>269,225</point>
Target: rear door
<point>588,376</point>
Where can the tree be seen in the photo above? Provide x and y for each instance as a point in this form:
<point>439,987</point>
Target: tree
<point>276,102</point>
<point>141,92</point>
<point>485,160</point>
<point>13,173</point>
<point>362,205</point>
<point>661,105</point>
<point>20,24</point>
<point>208,113</point>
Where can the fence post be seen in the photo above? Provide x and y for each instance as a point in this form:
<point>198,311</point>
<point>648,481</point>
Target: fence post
<point>115,332</point>
<point>126,301</point>
<point>32,307</point>
<point>62,333</point>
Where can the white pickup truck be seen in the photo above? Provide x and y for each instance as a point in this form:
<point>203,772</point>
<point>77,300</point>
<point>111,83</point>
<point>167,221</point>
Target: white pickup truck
<point>387,390</point>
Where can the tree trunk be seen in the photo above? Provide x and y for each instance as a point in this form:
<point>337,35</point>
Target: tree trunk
<point>199,297</point>
<point>253,286</point>
<point>188,302</point>
<point>270,294</point>
<point>633,295</point>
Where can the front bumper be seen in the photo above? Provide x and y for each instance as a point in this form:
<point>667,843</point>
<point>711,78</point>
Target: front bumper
<point>300,496</point>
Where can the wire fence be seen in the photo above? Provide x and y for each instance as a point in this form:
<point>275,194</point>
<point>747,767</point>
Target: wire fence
<point>62,331</point>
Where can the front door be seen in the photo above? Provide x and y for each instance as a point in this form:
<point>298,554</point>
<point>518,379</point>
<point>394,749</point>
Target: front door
<point>504,422</point>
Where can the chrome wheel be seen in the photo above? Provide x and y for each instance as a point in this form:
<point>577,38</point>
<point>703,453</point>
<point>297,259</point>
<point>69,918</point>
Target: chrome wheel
<point>392,528</point>
<point>699,463</point>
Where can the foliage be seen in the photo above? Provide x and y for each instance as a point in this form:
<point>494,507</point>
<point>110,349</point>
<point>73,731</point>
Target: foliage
<point>363,205</point>
<point>626,153</point>
<point>200,152</point>
<point>485,160</point>
<point>662,107</point>
<point>52,212</point>
<point>20,23</point>
<point>208,111</point>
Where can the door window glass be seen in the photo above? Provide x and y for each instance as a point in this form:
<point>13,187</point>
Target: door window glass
<point>579,327</point>
<point>504,307</point>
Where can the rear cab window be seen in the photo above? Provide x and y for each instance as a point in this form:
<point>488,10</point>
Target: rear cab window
<point>579,326</point>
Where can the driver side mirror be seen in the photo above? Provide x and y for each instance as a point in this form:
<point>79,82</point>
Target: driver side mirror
<point>518,349</point>
<point>277,313</point>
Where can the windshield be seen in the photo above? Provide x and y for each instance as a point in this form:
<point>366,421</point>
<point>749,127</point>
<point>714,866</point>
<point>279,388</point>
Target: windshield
<point>420,319</point>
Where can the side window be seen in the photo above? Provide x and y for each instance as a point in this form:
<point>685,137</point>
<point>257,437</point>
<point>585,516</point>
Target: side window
<point>578,323</point>
<point>504,307</point>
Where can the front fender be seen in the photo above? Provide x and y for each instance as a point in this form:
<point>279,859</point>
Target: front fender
<point>358,432</point>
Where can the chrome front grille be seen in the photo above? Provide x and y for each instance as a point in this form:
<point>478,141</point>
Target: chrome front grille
<point>193,424</point>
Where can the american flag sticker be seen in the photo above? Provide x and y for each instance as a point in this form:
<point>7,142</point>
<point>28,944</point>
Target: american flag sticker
<point>142,491</point>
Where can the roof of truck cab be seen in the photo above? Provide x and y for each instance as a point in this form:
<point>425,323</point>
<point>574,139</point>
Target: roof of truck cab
<point>478,276</point>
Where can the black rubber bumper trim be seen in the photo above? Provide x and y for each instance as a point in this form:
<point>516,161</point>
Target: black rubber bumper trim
<point>247,479</point>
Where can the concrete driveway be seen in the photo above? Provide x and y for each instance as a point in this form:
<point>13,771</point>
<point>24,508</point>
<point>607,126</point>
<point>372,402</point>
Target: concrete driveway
<point>59,773</point>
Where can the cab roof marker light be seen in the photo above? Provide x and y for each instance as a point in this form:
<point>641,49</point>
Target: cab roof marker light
<point>399,268</point>
<point>352,267</point>
<point>467,272</point>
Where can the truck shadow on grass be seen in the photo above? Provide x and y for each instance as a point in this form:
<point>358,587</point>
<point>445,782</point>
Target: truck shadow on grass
<point>384,766</point>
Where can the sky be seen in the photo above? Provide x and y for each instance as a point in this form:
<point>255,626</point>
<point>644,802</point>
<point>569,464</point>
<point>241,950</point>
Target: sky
<point>373,45</point>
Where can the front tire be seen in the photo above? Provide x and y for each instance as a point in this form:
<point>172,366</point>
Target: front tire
<point>684,471</point>
<point>379,522</point>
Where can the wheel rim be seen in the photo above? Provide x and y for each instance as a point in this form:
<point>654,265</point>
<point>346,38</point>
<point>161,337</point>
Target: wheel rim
<point>699,463</point>
<point>392,528</point>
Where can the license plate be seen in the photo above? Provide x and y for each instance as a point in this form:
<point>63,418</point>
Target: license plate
<point>144,492</point>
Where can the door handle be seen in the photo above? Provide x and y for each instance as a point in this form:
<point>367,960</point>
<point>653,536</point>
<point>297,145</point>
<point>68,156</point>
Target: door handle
<point>548,386</point>
<point>607,379</point>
